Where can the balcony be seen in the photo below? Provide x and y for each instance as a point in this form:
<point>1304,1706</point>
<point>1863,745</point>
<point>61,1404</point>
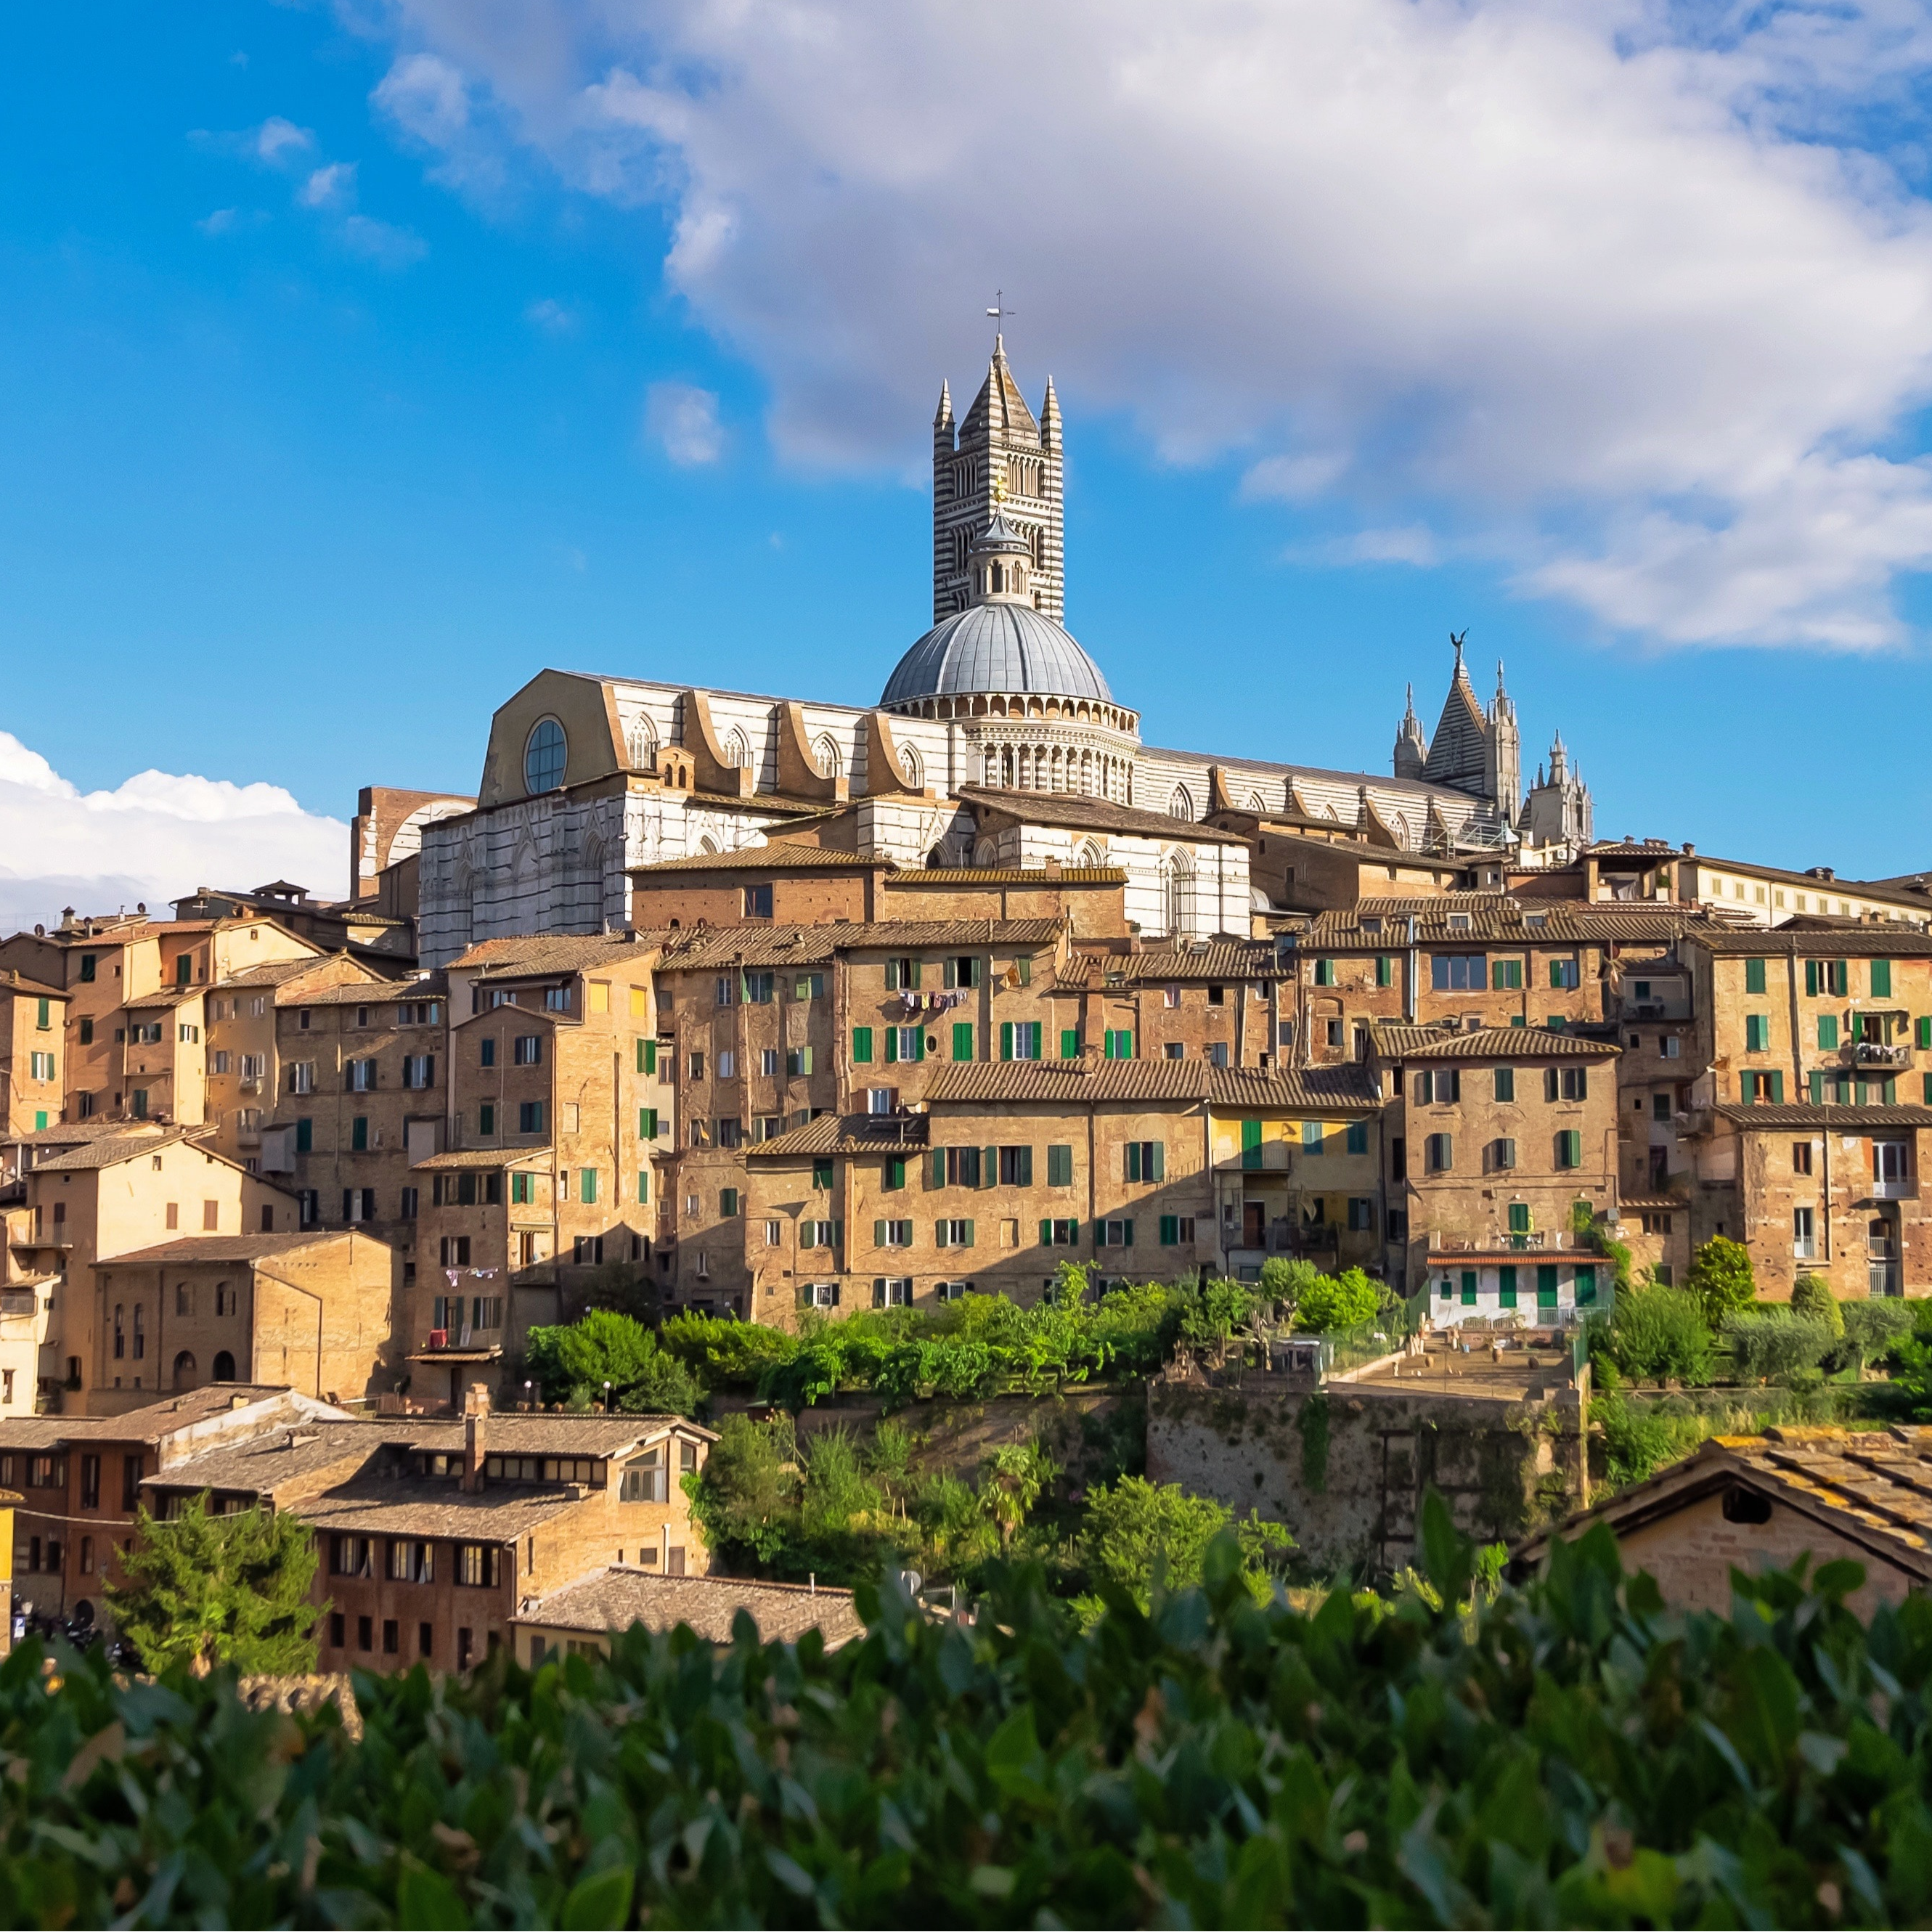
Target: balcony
<point>1894,1189</point>
<point>15,1303</point>
<point>1876,1053</point>
<point>1272,1157</point>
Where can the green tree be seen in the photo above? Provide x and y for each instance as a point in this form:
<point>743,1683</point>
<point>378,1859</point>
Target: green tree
<point>1659,1333</point>
<point>746,1495</point>
<point>204,1590</point>
<point>1133,1524</point>
<point>1721,1279</point>
<point>1217,1310</point>
<point>574,1362</point>
<point>1331,1302</point>
<point>1811,1297</point>
<point>1011,1479</point>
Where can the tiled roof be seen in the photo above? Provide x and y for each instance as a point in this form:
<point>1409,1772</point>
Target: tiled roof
<point>274,1459</point>
<point>757,945</point>
<point>110,1153</point>
<point>1217,959</point>
<point>1857,942</point>
<point>1810,882</point>
<point>780,856</point>
<point>361,993</point>
<point>551,953</point>
<point>1771,1118</point>
<point>150,1424</point>
<point>32,989</point>
<point>1096,814</point>
<point>1092,1082</point>
<point>274,973</point>
<point>616,1598</point>
<point>479,1157</point>
<point>1873,1488</point>
<point>952,878</point>
<point>80,1133</point>
<point>164,997</point>
<point>374,1505</point>
<point>848,1133</point>
<point>218,1250</point>
<point>1523,1042</point>
<point>510,1433</point>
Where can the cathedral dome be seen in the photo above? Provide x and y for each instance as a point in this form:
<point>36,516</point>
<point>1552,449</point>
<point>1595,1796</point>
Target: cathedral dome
<point>996,647</point>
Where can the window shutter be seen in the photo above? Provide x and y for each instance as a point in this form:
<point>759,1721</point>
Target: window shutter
<point>969,1233</point>
<point>919,1043</point>
<point>951,977</point>
<point>936,1169</point>
<point>1777,1089</point>
<point>1923,1028</point>
<point>1811,975</point>
<point>892,1046</point>
<point>962,1040</point>
<point>1754,976</point>
<point>1881,979</point>
<point>1128,1227</point>
<point>1069,1043</point>
<point>1006,1039</point>
<point>1556,972</point>
<point>1549,1083</point>
<point>1159,1161</point>
<point>989,1166</point>
<point>878,1234</point>
<point>1046,1234</point>
<point>1817,1090</point>
<point>862,1046</point>
<point>1383,965</point>
<point>1024,1163</point>
<point>1131,1160</point>
<point>1891,1091</point>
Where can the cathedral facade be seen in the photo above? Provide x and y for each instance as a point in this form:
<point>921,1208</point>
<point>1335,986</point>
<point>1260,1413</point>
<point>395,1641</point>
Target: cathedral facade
<point>997,741</point>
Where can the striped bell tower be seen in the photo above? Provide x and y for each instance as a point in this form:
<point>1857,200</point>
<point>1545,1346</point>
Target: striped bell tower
<point>1001,456</point>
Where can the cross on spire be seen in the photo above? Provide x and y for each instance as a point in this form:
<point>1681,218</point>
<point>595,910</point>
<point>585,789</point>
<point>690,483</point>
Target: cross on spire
<point>999,312</point>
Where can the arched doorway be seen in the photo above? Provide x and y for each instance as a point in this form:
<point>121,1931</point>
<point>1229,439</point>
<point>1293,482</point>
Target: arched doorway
<point>224,1367</point>
<point>185,1369</point>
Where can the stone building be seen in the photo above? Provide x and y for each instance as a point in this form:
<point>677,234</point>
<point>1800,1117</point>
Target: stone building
<point>997,741</point>
<point>1493,1136</point>
<point>312,1310</point>
<point>33,1032</point>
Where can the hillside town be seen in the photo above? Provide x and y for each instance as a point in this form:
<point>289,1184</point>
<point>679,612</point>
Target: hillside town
<point>775,1011</point>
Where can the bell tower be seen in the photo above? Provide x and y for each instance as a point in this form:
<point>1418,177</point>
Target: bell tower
<point>1003,458</point>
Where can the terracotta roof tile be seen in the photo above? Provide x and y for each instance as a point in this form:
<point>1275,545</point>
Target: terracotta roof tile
<point>110,1152</point>
<point>221,1250</point>
<point>1524,1042</point>
<point>847,1134</point>
<point>1098,814</point>
<point>1092,1082</point>
<point>455,1158</point>
<point>1764,1116</point>
<point>952,878</point>
<point>616,1598</point>
<point>1214,960</point>
<point>1854,942</point>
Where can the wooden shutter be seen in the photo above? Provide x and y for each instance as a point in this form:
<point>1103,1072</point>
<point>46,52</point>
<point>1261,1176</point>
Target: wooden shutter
<point>879,1240</point>
<point>1069,1043</point>
<point>1046,1234</point>
<point>962,1040</point>
<point>1159,1161</point>
<point>862,1046</point>
<point>989,1166</point>
<point>1754,976</point>
<point>969,1233</point>
<point>1006,1039</point>
<point>1777,1089</point>
<point>1881,980</point>
<point>918,1042</point>
<point>892,1046</point>
<point>936,1169</point>
<point>1811,975</point>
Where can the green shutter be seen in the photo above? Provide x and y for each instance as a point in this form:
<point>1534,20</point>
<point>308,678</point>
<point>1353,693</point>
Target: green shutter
<point>1545,1285</point>
<point>1470,1278</point>
<point>1046,1234</point>
<point>1891,1091</point>
<point>1818,1089</point>
<point>1159,1161</point>
<point>1006,1039</point>
<point>962,1040</point>
<point>1384,969</point>
<point>862,1046</point>
<point>1881,982</point>
<point>1828,1031</point>
<point>1070,1043</point>
<point>936,1169</point>
<point>1169,1230</point>
<point>1777,1089</point>
<point>1130,1227</point>
<point>1811,975</point>
<point>1585,1279</point>
<point>896,1172</point>
<point>1922,1027</point>
<point>969,1234</point>
<point>1754,976</point>
<point>643,1187</point>
<point>919,1043</point>
<point>891,1046</point>
<point>304,1137</point>
<point>989,1167</point>
<point>1519,1217</point>
<point>1506,1287</point>
<point>1928,1088</point>
<point>1251,1143</point>
<point>878,1234</point>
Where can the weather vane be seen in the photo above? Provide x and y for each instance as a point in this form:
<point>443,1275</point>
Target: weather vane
<point>999,312</point>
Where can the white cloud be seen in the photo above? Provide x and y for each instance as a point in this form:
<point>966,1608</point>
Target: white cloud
<point>277,138</point>
<point>426,96</point>
<point>682,420</point>
<point>381,242</point>
<point>552,316</point>
<point>219,222</point>
<point>330,186</point>
<point>1604,285</point>
<point>155,837</point>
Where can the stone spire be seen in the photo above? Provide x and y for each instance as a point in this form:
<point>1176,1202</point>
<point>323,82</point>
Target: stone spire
<point>1411,748</point>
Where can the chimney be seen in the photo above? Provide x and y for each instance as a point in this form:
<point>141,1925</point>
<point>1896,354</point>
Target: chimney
<point>475,1408</point>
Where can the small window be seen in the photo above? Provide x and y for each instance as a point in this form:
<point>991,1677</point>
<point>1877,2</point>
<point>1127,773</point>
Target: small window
<point>1746,1506</point>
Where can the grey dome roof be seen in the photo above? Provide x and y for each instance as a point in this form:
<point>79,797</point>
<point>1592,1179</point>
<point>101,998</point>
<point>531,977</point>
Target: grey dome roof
<point>996,647</point>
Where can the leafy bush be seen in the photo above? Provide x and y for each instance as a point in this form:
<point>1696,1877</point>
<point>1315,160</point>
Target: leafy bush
<point>1771,1345</point>
<point>1215,1311</point>
<point>1331,1302</point>
<point>1137,1533</point>
<point>204,1590</point>
<point>1721,1278</point>
<point>1870,1328</point>
<point>1566,1754</point>
<point>574,1362</point>
<point>1811,1297</point>
<point>1655,1333</point>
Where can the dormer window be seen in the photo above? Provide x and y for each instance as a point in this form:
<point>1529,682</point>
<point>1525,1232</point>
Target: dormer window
<point>1373,925</point>
<point>1459,922</point>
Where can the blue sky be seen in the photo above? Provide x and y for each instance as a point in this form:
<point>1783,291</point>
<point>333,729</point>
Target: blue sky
<point>330,339</point>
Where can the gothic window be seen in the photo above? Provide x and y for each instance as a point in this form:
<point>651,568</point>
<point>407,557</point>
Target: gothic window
<point>959,543</point>
<point>1255,802</point>
<point>643,744</point>
<point>909,766</point>
<point>985,854</point>
<point>1006,766</point>
<point>1180,805</point>
<point>737,748</point>
<point>825,755</point>
<point>1089,854</point>
<point>1174,892</point>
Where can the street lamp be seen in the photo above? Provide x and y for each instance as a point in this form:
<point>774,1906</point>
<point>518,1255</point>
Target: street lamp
<point>607,1398</point>
<point>526,1394</point>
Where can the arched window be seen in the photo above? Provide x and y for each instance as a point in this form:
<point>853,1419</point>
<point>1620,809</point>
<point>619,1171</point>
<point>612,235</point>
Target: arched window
<point>909,768</point>
<point>737,748</point>
<point>643,743</point>
<point>1006,766</point>
<point>224,1367</point>
<point>1181,805</point>
<point>825,755</point>
<point>1089,854</point>
<point>185,1367</point>
<point>992,764</point>
<point>985,854</point>
<point>546,753</point>
<point>1174,891</point>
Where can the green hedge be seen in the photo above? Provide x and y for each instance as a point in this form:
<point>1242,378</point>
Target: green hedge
<point>1569,1754</point>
